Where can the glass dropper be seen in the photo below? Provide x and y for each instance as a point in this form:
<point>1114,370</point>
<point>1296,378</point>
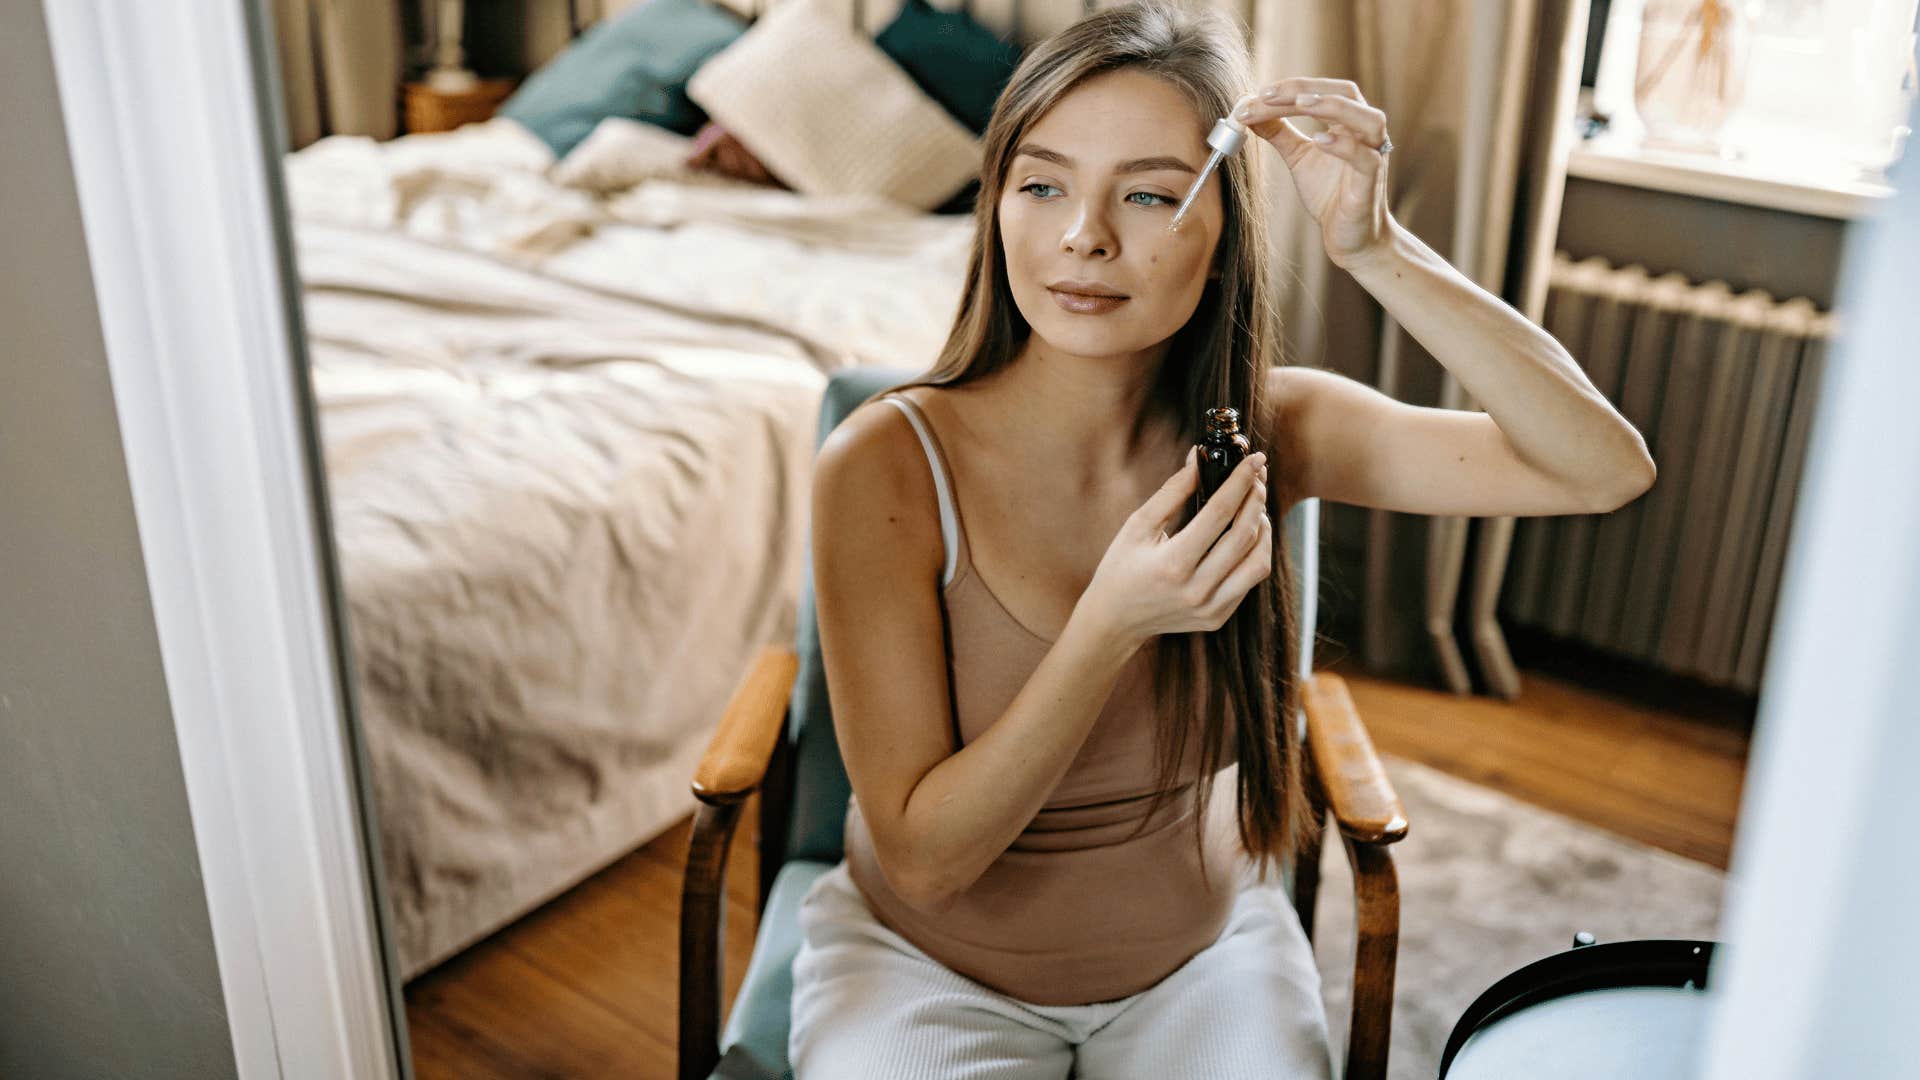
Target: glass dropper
<point>1227,136</point>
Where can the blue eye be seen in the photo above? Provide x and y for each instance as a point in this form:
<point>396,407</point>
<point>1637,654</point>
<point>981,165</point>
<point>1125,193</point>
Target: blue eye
<point>1158,198</point>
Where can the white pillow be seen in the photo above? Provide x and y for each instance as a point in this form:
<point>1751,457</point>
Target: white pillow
<point>830,114</point>
<point>622,152</point>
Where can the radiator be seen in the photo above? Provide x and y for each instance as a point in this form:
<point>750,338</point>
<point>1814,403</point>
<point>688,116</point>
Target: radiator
<point>1722,387</point>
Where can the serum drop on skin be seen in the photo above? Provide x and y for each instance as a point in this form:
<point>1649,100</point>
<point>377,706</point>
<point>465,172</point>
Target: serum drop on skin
<point>1221,449</point>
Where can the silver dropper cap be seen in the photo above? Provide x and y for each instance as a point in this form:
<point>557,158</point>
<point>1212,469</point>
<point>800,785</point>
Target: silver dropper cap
<point>1228,135</point>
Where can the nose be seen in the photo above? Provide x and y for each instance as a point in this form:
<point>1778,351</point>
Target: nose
<point>1089,234</point>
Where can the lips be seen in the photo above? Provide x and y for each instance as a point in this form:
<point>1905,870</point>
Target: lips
<point>1079,304</point>
<point>1086,288</point>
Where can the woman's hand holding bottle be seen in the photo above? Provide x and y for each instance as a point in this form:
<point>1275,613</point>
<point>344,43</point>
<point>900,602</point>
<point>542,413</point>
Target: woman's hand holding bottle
<point>1149,583</point>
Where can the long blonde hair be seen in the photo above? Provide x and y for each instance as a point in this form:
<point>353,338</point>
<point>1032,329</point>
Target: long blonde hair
<point>1220,356</point>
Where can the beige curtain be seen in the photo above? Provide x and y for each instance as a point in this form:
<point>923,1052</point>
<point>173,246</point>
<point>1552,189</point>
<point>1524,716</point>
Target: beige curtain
<point>340,67</point>
<point>1478,95</point>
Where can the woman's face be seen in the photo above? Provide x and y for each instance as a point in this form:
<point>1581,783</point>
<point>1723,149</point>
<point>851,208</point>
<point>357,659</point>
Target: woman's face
<point>1090,190</point>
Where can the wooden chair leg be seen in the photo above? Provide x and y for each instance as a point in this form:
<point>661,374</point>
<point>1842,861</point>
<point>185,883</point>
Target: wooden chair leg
<point>702,906</point>
<point>1377,932</point>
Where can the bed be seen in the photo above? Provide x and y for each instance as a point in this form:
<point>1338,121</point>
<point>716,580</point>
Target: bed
<point>567,458</point>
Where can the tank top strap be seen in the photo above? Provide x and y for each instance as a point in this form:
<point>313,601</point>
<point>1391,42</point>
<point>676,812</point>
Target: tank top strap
<point>952,532</point>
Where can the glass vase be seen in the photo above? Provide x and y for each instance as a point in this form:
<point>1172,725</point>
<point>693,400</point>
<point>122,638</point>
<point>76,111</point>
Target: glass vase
<point>1692,70</point>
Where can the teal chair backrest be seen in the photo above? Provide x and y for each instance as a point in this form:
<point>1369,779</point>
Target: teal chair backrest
<point>820,787</point>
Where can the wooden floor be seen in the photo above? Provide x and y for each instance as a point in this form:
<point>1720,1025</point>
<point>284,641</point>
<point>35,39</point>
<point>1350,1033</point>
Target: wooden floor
<point>585,986</point>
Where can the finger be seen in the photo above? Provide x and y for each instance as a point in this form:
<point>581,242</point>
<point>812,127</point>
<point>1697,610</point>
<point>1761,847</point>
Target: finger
<point>1288,139</point>
<point>1232,547</point>
<point>1253,569</point>
<point>1345,145</point>
<point>1263,121</point>
<point>1192,542</point>
<point>1365,120</point>
<point>1164,504</point>
<point>1289,88</point>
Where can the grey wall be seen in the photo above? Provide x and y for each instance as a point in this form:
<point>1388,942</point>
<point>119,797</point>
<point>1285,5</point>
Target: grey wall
<point>106,956</point>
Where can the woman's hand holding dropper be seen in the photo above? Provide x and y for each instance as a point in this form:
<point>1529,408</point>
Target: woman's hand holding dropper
<point>1340,174</point>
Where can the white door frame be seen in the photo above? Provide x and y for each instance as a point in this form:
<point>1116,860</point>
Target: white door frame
<point>173,124</point>
<point>173,119</point>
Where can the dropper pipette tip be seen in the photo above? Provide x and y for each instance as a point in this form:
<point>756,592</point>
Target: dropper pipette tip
<point>1179,214</point>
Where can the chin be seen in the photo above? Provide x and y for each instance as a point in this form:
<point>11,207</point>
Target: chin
<point>1080,335</point>
<point>1089,342</point>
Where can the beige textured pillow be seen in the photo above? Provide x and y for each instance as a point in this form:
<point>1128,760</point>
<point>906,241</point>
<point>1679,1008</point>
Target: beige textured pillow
<point>831,114</point>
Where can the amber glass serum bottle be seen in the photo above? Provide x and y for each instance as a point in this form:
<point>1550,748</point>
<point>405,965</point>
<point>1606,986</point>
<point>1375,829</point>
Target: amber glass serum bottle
<point>1222,447</point>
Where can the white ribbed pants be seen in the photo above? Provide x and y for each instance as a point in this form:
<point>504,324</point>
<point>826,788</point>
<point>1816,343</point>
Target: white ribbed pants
<point>869,1005</point>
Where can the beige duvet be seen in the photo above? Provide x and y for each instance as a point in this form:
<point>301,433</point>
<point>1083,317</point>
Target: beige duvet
<point>567,441</point>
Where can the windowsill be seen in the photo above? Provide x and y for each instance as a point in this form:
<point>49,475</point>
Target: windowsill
<point>1779,183</point>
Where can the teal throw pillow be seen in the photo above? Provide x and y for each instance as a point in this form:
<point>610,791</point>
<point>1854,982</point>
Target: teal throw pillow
<point>634,65</point>
<point>958,62</point>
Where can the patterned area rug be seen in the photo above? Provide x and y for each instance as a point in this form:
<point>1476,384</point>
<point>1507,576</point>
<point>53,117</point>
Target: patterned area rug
<point>1489,884</point>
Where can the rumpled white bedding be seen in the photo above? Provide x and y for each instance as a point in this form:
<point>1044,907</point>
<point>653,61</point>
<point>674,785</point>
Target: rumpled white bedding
<point>567,442</point>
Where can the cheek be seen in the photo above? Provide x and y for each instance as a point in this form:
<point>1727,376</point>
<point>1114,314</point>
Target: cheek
<point>1016,240</point>
<point>1178,256</point>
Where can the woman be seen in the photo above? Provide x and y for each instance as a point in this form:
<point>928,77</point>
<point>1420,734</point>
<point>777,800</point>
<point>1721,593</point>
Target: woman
<point>1036,667</point>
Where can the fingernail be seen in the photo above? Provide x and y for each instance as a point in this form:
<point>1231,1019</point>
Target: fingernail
<point>1306,99</point>
<point>1324,138</point>
<point>1274,95</point>
<point>1244,112</point>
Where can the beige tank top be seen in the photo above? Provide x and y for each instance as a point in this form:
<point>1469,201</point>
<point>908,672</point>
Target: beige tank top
<point>1074,911</point>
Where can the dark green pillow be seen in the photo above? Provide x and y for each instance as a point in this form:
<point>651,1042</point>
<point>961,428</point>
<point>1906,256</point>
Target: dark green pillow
<point>635,65</point>
<point>958,62</point>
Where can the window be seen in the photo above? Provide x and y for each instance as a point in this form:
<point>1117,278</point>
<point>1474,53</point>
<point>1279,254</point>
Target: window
<point>1827,81</point>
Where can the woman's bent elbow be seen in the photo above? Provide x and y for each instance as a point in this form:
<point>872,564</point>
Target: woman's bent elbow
<point>920,886</point>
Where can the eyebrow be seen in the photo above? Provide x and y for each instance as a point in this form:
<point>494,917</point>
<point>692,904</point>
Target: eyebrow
<point>1145,164</point>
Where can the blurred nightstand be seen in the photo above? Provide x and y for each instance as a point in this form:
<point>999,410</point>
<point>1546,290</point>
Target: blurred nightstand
<point>428,109</point>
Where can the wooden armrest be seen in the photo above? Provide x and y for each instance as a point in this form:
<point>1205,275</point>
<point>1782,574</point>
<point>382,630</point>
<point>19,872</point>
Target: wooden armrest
<point>736,759</point>
<point>1358,791</point>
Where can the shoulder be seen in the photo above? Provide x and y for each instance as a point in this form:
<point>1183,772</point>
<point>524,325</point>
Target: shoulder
<point>871,450</point>
<point>872,484</point>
